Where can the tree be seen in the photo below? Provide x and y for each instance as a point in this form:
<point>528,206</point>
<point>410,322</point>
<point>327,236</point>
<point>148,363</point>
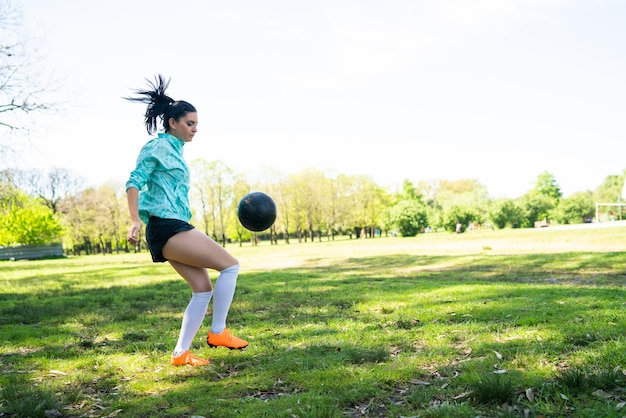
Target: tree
<point>22,84</point>
<point>93,220</point>
<point>409,217</point>
<point>506,212</point>
<point>454,214</point>
<point>575,209</point>
<point>463,201</point>
<point>409,191</point>
<point>541,200</point>
<point>546,185</point>
<point>370,202</point>
<point>297,205</point>
<point>610,190</point>
<point>213,185</point>
<point>50,186</point>
<point>537,206</point>
<point>57,184</point>
<point>310,185</point>
<point>24,220</point>
<point>344,204</point>
<point>330,208</point>
<point>236,231</point>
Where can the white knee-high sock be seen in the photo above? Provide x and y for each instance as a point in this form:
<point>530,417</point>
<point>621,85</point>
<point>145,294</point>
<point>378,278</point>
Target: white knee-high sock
<point>224,291</point>
<point>192,319</point>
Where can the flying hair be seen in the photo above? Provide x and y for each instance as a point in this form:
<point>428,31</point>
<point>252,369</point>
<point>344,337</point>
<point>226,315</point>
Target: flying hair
<point>160,105</point>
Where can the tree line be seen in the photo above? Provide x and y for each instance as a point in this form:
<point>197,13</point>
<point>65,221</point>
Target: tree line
<point>38,207</point>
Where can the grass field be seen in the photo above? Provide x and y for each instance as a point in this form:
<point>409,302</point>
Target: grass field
<point>522,323</point>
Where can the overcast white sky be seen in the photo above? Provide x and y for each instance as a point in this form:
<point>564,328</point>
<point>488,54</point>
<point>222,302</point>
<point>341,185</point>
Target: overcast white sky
<point>493,90</point>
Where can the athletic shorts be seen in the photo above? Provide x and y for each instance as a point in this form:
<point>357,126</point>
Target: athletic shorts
<point>160,230</point>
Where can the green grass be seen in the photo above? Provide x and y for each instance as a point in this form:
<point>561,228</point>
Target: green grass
<point>521,323</point>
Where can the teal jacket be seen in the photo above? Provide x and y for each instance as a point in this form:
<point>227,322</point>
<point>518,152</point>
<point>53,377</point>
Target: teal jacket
<point>162,178</point>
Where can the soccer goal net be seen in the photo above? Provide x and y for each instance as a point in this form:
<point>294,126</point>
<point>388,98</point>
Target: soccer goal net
<point>606,212</point>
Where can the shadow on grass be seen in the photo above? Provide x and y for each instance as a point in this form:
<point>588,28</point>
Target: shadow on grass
<point>315,330</point>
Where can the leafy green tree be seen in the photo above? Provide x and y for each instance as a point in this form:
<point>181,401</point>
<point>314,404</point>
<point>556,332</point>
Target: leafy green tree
<point>409,192</point>
<point>537,206</point>
<point>575,208</point>
<point>610,190</point>
<point>300,205</point>
<point>428,191</point>
<point>506,212</point>
<point>547,185</point>
<point>409,217</point>
<point>213,190</point>
<point>93,220</point>
<point>344,204</point>
<point>111,218</point>
<point>312,184</point>
<point>454,214</point>
<point>370,202</point>
<point>464,199</point>
<point>236,231</point>
<point>25,220</point>
<point>329,208</point>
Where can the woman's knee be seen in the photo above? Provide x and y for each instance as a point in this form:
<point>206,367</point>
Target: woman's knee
<point>231,269</point>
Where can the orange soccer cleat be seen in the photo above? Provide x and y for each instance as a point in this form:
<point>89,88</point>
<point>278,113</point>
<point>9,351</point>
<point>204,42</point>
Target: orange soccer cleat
<point>190,359</point>
<point>225,339</point>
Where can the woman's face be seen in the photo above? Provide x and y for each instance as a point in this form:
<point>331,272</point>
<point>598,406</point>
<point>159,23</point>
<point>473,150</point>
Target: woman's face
<point>185,128</point>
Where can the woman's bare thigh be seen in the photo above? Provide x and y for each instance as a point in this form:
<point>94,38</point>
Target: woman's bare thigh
<point>194,248</point>
<point>197,277</point>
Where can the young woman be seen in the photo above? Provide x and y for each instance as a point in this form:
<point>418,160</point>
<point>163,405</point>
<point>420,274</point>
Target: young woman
<point>157,193</point>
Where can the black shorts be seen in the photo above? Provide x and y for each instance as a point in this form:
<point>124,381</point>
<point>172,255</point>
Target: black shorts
<point>158,231</point>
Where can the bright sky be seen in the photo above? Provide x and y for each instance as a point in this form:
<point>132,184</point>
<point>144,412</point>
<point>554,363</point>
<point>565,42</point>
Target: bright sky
<point>493,90</point>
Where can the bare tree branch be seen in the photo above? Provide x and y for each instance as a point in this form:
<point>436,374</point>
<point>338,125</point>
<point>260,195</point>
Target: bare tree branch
<point>23,83</point>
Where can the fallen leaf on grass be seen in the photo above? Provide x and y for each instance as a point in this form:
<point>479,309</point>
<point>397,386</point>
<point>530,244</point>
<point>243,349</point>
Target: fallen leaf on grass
<point>512,338</point>
<point>57,373</point>
<point>529,394</point>
<point>419,382</point>
<point>454,363</point>
<point>602,394</point>
<point>461,395</point>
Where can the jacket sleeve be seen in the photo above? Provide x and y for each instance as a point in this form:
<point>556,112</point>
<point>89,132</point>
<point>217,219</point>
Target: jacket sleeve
<point>146,164</point>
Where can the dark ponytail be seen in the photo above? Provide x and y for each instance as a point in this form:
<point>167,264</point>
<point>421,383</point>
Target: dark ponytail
<point>160,105</point>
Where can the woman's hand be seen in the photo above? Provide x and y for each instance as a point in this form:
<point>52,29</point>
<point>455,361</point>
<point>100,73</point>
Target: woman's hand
<point>135,222</point>
<point>133,232</point>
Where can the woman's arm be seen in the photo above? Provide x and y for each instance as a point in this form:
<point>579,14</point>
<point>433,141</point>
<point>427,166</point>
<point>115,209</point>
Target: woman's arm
<point>132,195</point>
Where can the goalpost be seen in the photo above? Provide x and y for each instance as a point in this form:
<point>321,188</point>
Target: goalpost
<point>618,205</point>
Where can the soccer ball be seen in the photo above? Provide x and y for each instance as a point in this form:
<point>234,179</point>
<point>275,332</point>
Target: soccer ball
<point>256,211</point>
